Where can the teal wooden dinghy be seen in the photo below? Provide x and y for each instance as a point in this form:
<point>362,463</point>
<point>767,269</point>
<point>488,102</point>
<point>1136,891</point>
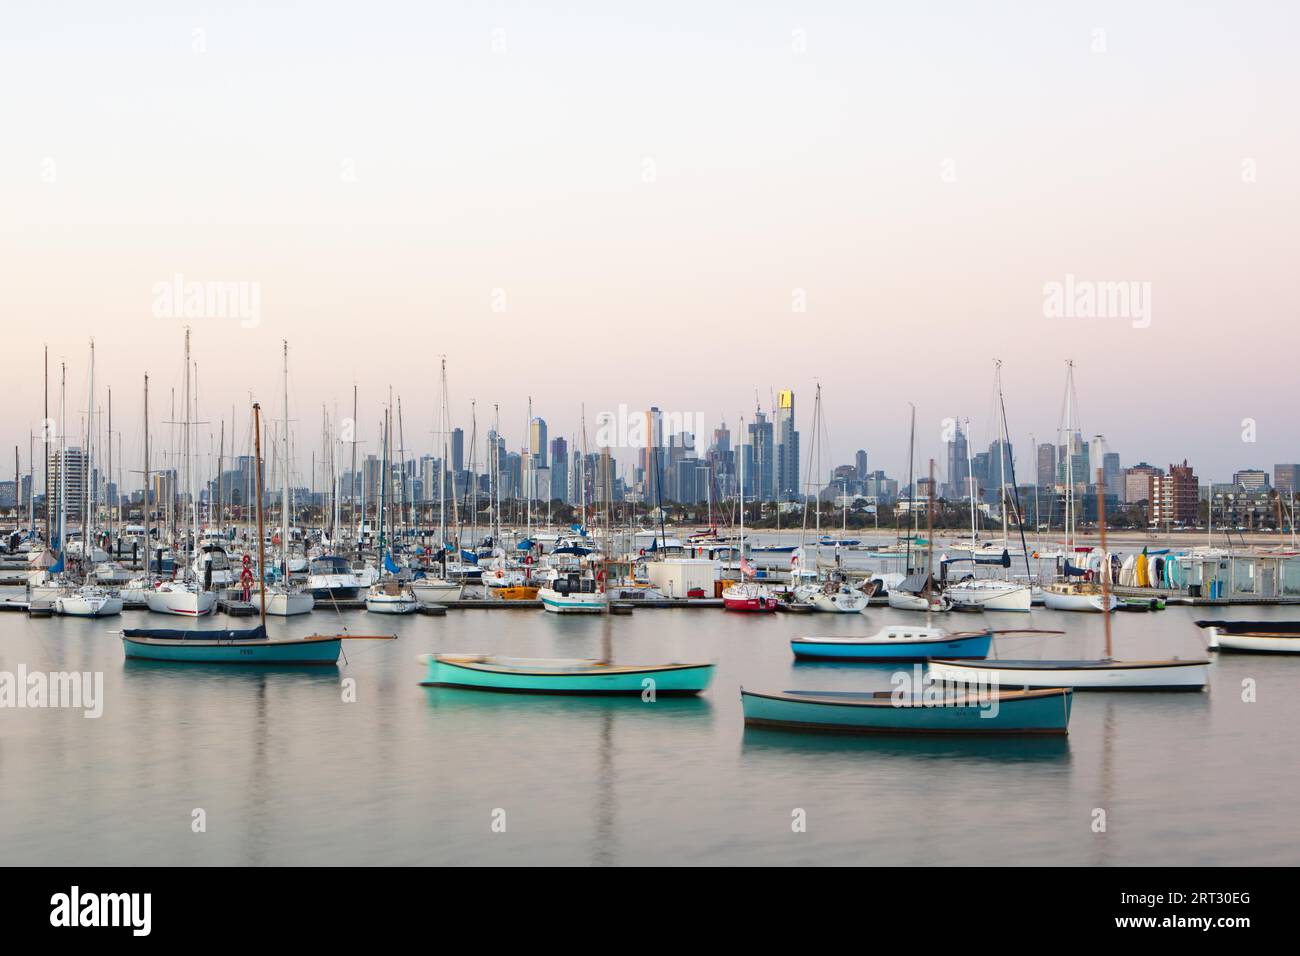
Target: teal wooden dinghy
<point>244,646</point>
<point>563,676</point>
<point>992,711</point>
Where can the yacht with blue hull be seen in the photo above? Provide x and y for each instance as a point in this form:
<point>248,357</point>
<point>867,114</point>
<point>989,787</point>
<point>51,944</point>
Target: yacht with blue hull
<point>242,646</point>
<point>990,712</point>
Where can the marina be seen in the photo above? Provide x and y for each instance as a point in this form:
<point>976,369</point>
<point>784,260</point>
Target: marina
<point>674,436</point>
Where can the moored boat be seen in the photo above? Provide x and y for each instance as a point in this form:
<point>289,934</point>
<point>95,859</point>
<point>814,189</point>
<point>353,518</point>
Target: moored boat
<point>389,597</point>
<point>991,711</point>
<point>183,598</point>
<point>839,599</point>
<point>748,597</point>
<point>244,646</point>
<point>88,601</point>
<point>429,590</point>
<point>287,602</point>
<point>1082,596</point>
<point>987,594</point>
<point>1100,674</point>
<point>563,676</point>
<point>1253,637</point>
<point>895,643</point>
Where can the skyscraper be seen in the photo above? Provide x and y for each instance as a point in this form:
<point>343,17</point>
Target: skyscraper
<point>957,465</point>
<point>458,450</point>
<point>560,469</point>
<point>760,479</point>
<point>537,442</point>
<point>786,484</point>
<point>861,462</point>
<point>649,460</point>
<point>1112,474</point>
<point>1047,466</point>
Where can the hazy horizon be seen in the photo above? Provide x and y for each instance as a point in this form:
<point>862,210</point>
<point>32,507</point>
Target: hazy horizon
<point>672,206</point>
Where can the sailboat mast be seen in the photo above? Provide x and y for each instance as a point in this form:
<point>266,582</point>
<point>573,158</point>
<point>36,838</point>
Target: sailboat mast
<point>284,477</point>
<point>352,475</point>
<point>929,547</point>
<point>1002,454</point>
<point>49,499</point>
<point>1105,572</point>
<point>148,535</point>
<point>261,530</point>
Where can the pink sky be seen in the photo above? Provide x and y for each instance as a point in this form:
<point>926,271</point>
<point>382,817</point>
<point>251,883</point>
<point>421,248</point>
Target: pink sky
<point>647,192</point>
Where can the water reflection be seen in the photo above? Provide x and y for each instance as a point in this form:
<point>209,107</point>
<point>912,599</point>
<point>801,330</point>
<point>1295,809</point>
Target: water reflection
<point>763,742</point>
<point>540,709</point>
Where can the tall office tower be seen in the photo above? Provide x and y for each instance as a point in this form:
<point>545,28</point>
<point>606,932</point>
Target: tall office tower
<point>860,461</point>
<point>457,450</point>
<point>760,480</point>
<point>537,442</point>
<point>1047,465</point>
<point>958,471</point>
<point>786,483</point>
<point>560,469</point>
<point>1112,474</point>
<point>650,456</point>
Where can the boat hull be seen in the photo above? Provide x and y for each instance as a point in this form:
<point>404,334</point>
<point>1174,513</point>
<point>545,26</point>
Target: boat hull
<point>309,650</point>
<point>287,605</point>
<point>839,603</point>
<point>1080,675</point>
<point>1255,643</point>
<point>439,593</point>
<point>975,646</point>
<point>557,603</point>
<point>391,605</point>
<point>565,677</point>
<point>1017,712</point>
<point>902,601</point>
<point>182,603</point>
<point>77,606</point>
<point>1085,603</point>
<point>1014,598</point>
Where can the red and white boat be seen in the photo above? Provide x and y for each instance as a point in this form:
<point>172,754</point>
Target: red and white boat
<point>749,597</point>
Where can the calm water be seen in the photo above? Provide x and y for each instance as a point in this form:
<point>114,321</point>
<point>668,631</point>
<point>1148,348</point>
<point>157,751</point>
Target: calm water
<point>289,773</point>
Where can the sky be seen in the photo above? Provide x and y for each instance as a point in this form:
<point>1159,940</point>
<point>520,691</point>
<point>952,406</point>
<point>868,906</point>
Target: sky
<point>610,204</point>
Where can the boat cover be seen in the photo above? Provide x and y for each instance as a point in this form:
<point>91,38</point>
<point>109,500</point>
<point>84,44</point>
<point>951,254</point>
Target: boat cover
<point>180,634</point>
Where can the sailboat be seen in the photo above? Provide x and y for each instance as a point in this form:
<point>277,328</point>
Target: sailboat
<point>285,600</point>
<point>428,589</point>
<point>746,596</point>
<point>184,597</point>
<point>388,595</point>
<point>918,592</point>
<point>992,594</point>
<point>244,646</point>
<point>1070,594</point>
<point>1105,673</point>
<point>89,599</point>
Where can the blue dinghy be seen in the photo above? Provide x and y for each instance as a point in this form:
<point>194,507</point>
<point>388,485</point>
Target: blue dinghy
<point>991,712</point>
<point>898,642</point>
